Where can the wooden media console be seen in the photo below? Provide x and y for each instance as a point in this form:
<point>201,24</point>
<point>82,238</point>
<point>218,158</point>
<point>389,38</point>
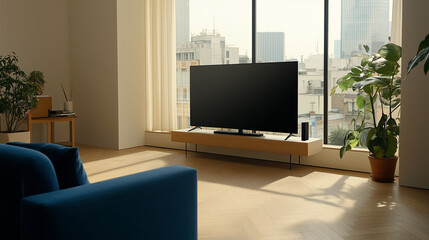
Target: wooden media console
<point>266,143</point>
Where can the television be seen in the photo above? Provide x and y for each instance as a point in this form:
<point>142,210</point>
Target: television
<point>259,96</point>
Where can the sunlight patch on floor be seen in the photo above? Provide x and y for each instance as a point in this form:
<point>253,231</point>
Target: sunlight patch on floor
<point>124,165</point>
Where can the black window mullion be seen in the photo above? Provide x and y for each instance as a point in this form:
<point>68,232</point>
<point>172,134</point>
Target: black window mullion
<point>325,73</point>
<point>253,31</point>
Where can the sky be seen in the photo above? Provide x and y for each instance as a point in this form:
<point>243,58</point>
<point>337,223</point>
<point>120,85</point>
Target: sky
<point>300,20</point>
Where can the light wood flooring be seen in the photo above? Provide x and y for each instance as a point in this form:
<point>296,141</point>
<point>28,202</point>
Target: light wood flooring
<point>248,199</point>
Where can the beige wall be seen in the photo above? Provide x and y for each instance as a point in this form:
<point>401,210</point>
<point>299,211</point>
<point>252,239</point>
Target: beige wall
<point>94,71</point>
<point>131,85</point>
<point>414,139</point>
<point>38,32</point>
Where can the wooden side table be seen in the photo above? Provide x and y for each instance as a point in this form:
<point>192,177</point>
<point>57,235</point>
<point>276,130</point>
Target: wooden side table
<point>50,121</point>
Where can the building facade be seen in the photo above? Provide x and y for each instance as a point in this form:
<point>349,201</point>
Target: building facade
<point>270,47</point>
<point>182,21</point>
<point>363,22</point>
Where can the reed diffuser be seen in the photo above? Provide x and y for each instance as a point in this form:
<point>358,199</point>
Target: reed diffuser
<point>68,104</point>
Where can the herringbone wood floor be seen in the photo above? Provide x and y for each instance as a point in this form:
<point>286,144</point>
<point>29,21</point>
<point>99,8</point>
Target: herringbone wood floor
<point>250,199</point>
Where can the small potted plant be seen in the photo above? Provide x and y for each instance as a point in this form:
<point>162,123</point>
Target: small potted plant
<point>17,97</point>
<point>376,80</point>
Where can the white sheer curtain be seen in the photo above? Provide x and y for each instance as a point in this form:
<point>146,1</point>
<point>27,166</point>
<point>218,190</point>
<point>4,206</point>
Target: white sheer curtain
<point>396,37</point>
<point>160,64</point>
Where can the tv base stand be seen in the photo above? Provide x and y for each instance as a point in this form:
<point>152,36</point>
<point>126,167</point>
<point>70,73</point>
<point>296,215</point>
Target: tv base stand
<point>194,128</point>
<point>266,143</point>
<point>240,132</point>
<point>290,135</point>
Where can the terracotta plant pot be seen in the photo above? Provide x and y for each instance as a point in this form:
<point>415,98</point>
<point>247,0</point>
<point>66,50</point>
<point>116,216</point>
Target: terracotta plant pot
<point>383,169</point>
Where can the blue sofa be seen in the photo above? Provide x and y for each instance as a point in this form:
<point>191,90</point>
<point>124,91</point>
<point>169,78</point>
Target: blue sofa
<point>157,204</point>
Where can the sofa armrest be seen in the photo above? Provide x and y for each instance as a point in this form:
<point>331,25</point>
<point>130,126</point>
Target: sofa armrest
<point>157,204</point>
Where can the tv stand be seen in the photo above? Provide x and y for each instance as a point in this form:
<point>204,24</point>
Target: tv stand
<point>290,135</point>
<point>192,129</point>
<point>240,132</point>
<point>266,143</point>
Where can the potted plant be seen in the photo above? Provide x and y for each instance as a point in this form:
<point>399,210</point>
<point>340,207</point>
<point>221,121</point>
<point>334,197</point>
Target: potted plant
<point>376,80</point>
<point>17,97</point>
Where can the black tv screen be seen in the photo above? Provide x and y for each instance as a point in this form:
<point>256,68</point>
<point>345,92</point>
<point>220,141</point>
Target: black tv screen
<point>261,96</point>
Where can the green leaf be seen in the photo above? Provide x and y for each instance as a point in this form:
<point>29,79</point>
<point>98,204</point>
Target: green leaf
<point>381,123</point>
<point>393,127</point>
<point>424,44</point>
<point>333,90</point>
<point>345,84</point>
<point>351,135</point>
<point>371,134</point>
<point>426,67</point>
<point>375,146</point>
<point>371,81</point>
<point>363,136</point>
<point>344,149</point>
<point>366,48</point>
<point>418,58</point>
<point>391,52</point>
<point>356,70</point>
<point>392,145</point>
<point>365,61</point>
<point>354,143</point>
<point>360,102</point>
<point>383,66</point>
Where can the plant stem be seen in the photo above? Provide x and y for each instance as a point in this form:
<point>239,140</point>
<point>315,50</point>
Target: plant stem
<point>396,108</point>
<point>390,91</point>
<point>382,107</point>
<point>373,111</point>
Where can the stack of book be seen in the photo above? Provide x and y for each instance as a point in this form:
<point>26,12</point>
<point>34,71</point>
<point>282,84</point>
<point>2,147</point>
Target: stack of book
<point>61,113</point>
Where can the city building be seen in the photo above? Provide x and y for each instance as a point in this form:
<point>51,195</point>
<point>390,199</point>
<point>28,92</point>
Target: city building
<point>244,59</point>
<point>182,21</point>
<point>358,28</point>
<point>208,48</point>
<point>337,48</point>
<point>204,49</point>
<point>270,47</point>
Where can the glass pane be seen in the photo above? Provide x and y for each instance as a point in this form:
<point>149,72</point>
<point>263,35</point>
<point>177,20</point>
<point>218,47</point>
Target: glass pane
<point>352,24</point>
<point>209,32</point>
<point>293,30</point>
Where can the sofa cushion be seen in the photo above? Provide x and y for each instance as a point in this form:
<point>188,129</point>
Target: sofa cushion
<point>67,163</point>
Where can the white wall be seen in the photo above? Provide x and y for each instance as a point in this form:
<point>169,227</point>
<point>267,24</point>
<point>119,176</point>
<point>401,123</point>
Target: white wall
<point>415,99</point>
<point>131,74</point>
<point>94,71</point>
<point>38,32</point>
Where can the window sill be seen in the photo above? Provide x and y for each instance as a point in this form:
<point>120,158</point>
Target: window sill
<point>160,132</point>
<point>335,147</point>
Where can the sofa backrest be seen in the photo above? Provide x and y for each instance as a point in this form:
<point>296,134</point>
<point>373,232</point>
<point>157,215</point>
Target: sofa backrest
<point>23,172</point>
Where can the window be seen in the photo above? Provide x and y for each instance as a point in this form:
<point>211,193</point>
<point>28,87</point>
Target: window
<point>352,24</point>
<point>292,30</point>
<point>205,35</point>
<point>286,30</point>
